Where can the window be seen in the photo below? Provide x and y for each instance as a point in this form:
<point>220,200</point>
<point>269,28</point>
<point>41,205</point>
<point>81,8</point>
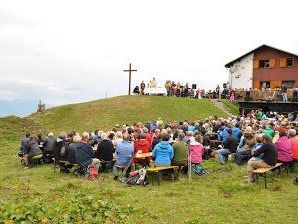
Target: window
<point>264,85</point>
<point>290,62</point>
<point>289,84</point>
<point>264,63</point>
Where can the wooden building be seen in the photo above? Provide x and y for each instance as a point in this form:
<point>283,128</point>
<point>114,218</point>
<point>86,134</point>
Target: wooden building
<point>264,67</point>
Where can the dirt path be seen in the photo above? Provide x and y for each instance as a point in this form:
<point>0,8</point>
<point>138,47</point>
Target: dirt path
<point>220,106</point>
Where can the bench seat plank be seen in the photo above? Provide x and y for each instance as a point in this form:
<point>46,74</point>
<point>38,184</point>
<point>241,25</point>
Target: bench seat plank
<point>264,170</point>
<point>160,168</point>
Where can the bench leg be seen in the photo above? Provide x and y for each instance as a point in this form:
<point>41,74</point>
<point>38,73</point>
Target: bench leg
<point>265,177</point>
<point>158,178</point>
<point>152,178</point>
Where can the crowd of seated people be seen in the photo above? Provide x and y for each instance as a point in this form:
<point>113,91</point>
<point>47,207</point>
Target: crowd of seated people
<point>258,140</point>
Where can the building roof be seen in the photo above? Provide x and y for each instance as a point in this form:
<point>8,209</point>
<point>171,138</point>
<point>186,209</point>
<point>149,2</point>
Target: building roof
<point>228,65</point>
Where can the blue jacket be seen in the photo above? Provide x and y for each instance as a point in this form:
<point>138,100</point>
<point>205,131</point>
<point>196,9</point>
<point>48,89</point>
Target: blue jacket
<point>163,153</point>
<point>124,152</point>
<point>153,126</point>
<point>236,133</point>
<point>191,128</point>
<point>84,154</point>
<point>224,134</point>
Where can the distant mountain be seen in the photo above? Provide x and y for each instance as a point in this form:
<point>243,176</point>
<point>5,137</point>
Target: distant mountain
<point>19,107</point>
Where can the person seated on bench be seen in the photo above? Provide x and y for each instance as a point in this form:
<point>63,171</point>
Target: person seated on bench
<point>163,152</point>
<point>61,147</point>
<point>268,160</point>
<point>243,152</point>
<point>84,153</point>
<point>40,142</point>
<point>32,151</point>
<point>284,147</point>
<point>196,151</point>
<point>124,154</point>
<point>23,148</point>
<point>72,149</point>
<point>49,147</point>
<point>230,146</point>
<point>294,140</point>
<point>180,152</point>
<point>105,150</point>
<point>257,146</point>
<point>141,145</point>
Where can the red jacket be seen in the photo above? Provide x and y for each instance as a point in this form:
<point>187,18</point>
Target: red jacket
<point>142,145</point>
<point>149,139</point>
<point>294,147</point>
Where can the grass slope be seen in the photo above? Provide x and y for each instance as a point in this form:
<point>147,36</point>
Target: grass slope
<point>233,107</point>
<point>39,195</point>
<point>105,113</point>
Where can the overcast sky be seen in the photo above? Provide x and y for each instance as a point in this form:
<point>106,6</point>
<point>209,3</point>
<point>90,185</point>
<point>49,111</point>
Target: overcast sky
<point>72,51</point>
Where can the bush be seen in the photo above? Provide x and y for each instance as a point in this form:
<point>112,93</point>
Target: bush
<point>75,208</point>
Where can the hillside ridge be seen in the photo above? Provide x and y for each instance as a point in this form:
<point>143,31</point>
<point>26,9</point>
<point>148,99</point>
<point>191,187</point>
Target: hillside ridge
<point>103,114</point>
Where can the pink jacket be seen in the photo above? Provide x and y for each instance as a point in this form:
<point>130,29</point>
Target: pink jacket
<point>284,148</point>
<point>196,151</point>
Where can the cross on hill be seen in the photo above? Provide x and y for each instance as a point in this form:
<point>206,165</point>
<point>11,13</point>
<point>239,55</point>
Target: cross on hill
<point>129,75</point>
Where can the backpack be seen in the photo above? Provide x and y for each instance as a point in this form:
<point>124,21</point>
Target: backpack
<point>93,173</point>
<point>139,177</point>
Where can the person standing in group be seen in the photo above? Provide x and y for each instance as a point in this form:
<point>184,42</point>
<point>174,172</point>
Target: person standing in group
<point>142,88</point>
<point>284,91</point>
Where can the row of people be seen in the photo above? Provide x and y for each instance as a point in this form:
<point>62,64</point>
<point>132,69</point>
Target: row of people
<point>172,142</point>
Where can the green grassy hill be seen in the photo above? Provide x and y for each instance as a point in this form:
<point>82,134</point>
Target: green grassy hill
<point>40,195</point>
<point>105,113</point>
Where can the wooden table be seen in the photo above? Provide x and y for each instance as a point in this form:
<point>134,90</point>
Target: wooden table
<point>143,155</point>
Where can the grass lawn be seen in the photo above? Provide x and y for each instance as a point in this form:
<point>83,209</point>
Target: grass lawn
<point>38,195</point>
<point>231,107</point>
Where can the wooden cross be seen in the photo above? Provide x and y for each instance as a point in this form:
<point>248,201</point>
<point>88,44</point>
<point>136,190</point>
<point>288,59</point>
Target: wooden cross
<point>129,74</point>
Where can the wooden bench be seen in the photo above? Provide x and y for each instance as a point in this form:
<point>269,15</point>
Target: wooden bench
<point>158,169</point>
<point>263,171</point>
<point>65,163</point>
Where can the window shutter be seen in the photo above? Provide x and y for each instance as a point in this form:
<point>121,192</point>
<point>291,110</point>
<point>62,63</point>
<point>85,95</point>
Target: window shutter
<point>256,85</point>
<point>272,63</point>
<point>282,62</point>
<point>256,64</point>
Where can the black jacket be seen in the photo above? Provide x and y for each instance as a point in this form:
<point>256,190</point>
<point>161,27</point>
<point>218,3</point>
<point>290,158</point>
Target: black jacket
<point>231,144</point>
<point>84,154</point>
<point>71,155</point>
<point>49,144</point>
<point>60,149</point>
<point>33,149</point>
<point>269,153</point>
<point>105,150</point>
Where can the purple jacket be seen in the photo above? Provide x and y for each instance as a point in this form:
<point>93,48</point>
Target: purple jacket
<point>284,148</point>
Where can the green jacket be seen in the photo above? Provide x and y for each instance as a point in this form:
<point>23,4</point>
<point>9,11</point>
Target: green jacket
<point>268,131</point>
<point>180,152</point>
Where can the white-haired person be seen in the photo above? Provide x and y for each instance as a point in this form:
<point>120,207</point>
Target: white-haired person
<point>49,144</point>
<point>117,139</point>
<point>84,153</point>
